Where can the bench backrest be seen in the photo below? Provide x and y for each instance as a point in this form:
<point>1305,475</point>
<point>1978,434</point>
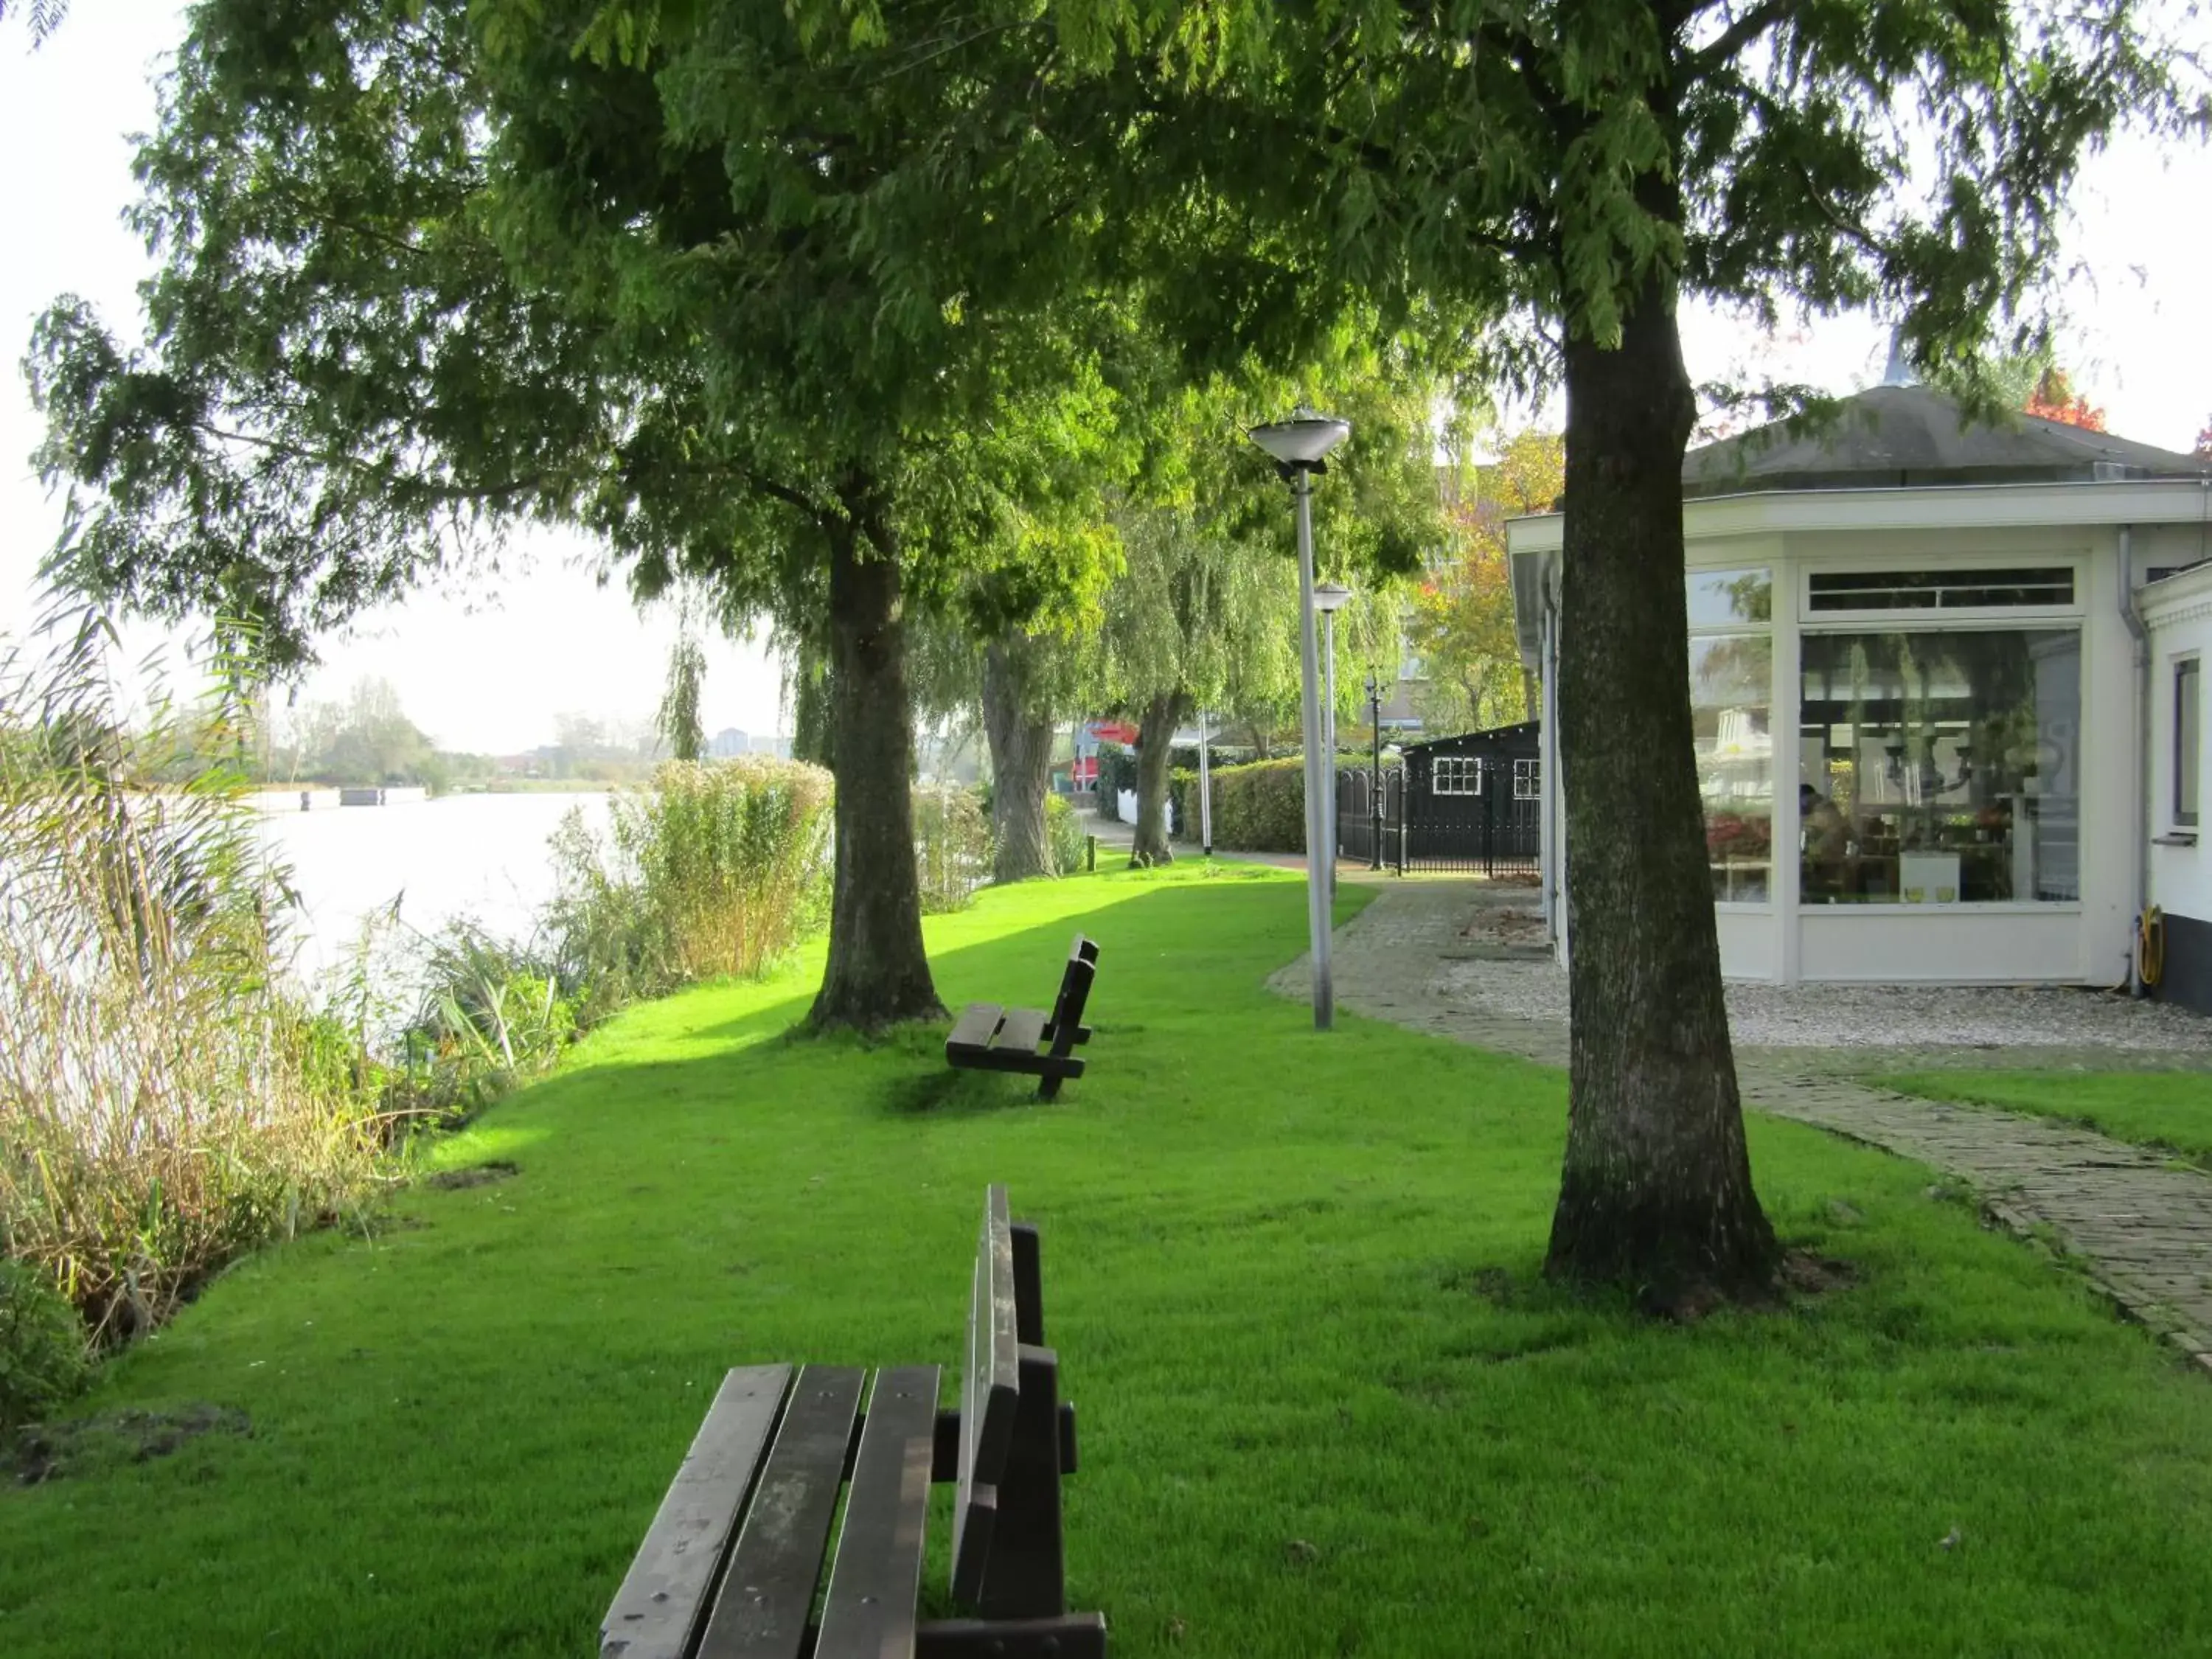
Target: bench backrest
<point>1065,1029</point>
<point>990,1389</point>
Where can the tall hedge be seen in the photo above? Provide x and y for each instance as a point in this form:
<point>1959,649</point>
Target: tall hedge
<point>1258,807</point>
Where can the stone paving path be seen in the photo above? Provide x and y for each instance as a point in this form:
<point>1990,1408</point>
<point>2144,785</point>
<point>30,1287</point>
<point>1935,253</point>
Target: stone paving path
<point>2142,1228</point>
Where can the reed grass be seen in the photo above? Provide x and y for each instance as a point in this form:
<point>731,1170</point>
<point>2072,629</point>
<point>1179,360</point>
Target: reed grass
<point>718,868</point>
<point>952,846</point>
<point>168,1100</point>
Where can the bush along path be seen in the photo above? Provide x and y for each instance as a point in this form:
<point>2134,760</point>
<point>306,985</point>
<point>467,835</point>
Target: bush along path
<point>2140,1227</point>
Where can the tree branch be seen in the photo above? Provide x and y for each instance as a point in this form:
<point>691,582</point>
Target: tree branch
<point>1724,46</point>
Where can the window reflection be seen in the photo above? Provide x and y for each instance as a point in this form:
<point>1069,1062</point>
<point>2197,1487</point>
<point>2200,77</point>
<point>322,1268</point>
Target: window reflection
<point>1731,598</point>
<point>1939,768</point>
<point>1731,682</point>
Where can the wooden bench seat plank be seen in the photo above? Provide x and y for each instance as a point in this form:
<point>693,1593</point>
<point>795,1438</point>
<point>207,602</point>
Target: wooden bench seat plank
<point>978,1022</point>
<point>874,1588</point>
<point>658,1606</point>
<point>761,1610</point>
<point>1020,1032</point>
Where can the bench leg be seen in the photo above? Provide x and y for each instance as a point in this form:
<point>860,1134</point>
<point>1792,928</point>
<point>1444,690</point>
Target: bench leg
<point>1026,1577</point>
<point>1048,1087</point>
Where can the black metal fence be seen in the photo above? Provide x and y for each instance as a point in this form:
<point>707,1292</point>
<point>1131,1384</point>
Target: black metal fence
<point>1494,828</point>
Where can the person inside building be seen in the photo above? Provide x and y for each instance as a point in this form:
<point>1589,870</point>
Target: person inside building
<point>1826,836</point>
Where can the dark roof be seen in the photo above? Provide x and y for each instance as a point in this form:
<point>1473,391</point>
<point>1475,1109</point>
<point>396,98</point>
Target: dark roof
<point>1495,737</point>
<point>1892,436</point>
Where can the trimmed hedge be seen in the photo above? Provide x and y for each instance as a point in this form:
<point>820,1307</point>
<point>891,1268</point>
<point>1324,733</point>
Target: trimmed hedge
<point>1258,807</point>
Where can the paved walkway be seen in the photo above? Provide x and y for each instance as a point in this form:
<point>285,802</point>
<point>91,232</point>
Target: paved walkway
<point>2143,1228</point>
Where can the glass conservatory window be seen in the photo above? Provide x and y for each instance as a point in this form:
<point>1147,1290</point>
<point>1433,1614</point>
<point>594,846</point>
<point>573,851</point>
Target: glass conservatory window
<point>2186,740</point>
<point>1731,706</point>
<point>1940,767</point>
<point>1731,598</point>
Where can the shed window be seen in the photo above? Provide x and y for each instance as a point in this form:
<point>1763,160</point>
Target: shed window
<point>1939,590</point>
<point>2187,729</point>
<point>1528,780</point>
<point>1456,775</point>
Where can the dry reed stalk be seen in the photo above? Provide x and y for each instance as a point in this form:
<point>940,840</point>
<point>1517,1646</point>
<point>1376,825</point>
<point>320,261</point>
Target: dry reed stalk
<point>167,1100</point>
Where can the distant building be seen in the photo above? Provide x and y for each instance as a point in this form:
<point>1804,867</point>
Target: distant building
<point>729,743</point>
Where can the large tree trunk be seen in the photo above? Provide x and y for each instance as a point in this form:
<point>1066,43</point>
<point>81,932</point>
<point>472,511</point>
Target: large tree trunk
<point>1155,733</point>
<point>1020,734</point>
<point>878,973</point>
<point>1656,1189</point>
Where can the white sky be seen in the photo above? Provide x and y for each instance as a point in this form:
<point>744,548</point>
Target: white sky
<point>488,670</point>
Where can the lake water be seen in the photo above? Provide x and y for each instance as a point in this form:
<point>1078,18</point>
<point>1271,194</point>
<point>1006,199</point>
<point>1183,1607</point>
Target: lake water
<point>483,856</point>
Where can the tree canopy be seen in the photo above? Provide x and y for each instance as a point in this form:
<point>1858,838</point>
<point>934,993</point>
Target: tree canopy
<point>788,317</point>
<point>1565,176</point>
<point>1461,623</point>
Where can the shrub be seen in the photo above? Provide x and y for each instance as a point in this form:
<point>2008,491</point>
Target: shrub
<point>1261,807</point>
<point>1117,770</point>
<point>167,1099</point>
<point>1066,841</point>
<point>719,867</point>
<point>42,1350</point>
<point>447,1022</point>
<point>953,845</point>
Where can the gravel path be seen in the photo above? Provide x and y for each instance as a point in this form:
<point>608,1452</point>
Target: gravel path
<point>1874,1016</point>
<point>1455,959</point>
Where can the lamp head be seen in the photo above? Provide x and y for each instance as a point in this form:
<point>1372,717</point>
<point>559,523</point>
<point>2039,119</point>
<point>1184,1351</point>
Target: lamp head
<point>1330,596</point>
<point>1299,443</point>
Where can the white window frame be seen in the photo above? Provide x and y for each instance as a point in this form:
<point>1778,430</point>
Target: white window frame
<point>1528,779</point>
<point>2191,664</point>
<point>1467,768</point>
<point>1810,621</point>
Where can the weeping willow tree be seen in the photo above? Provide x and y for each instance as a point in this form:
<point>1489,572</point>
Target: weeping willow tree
<point>1204,613</point>
<point>678,717</point>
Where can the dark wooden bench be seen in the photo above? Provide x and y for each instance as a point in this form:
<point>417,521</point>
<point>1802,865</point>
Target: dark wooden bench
<point>990,1038</point>
<point>731,1564</point>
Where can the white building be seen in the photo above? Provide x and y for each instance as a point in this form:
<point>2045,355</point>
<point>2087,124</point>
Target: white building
<point>1921,658</point>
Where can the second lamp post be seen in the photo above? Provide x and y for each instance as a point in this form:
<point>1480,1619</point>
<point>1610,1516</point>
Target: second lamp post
<point>1299,446</point>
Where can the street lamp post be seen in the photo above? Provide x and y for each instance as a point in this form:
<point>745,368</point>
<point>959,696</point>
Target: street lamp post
<point>1205,792</point>
<point>1299,446</point>
<point>1375,787</point>
<point>1328,598</point>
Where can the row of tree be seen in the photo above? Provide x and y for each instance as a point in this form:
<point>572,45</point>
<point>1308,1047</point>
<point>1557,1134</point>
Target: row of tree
<point>851,312</point>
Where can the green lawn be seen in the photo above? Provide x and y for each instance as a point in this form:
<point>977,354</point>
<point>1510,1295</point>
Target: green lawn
<point>1326,1407</point>
<point>2169,1110</point>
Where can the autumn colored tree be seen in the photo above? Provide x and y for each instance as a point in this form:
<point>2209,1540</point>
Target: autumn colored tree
<point>2055,399</point>
<point>1461,621</point>
<point>2204,441</point>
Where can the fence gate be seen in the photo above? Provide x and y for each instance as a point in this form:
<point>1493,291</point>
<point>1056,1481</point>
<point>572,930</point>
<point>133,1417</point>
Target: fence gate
<point>1357,805</point>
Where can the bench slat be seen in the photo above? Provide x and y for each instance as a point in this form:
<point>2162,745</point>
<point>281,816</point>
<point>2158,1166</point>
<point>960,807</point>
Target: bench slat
<point>761,1610</point>
<point>989,1394</point>
<point>978,1020</point>
<point>1021,1032</point>
<point>874,1585</point>
<point>663,1594</point>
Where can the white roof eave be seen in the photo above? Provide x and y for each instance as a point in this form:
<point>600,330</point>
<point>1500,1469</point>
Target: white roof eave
<point>1924,506</point>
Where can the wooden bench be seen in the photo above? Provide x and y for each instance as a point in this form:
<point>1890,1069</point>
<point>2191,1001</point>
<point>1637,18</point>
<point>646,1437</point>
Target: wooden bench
<point>731,1564</point>
<point>990,1038</point>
